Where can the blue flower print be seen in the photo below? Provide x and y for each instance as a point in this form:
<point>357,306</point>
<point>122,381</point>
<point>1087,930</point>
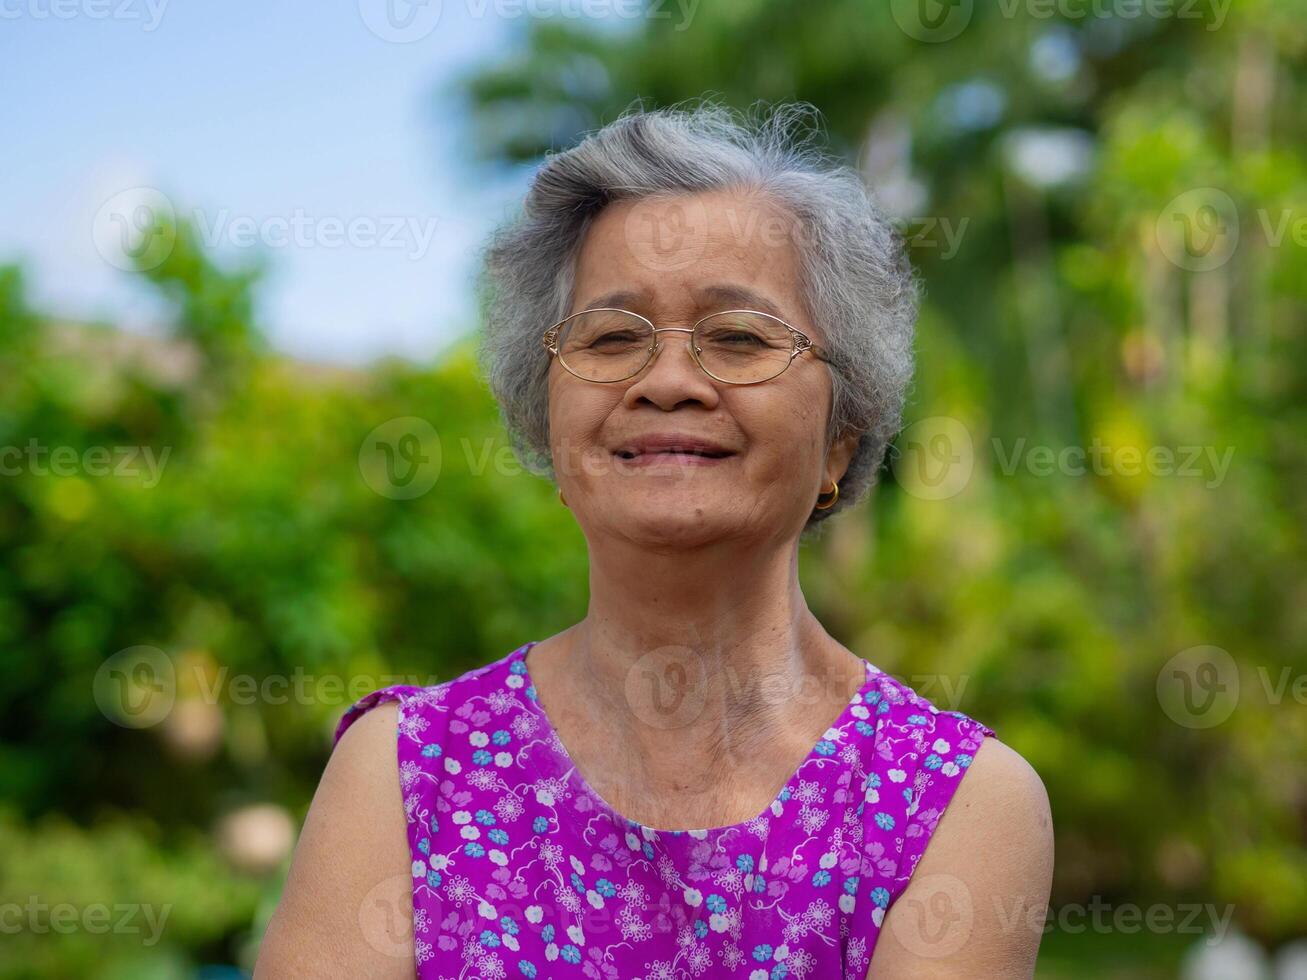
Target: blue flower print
<point>851,885</point>
<point>498,836</point>
<point>431,751</point>
<point>785,795</point>
<point>528,969</point>
<point>481,757</point>
<point>880,897</point>
<point>825,747</point>
<point>716,903</point>
<point>547,934</point>
<point>474,850</point>
<point>759,884</point>
<point>884,821</point>
<point>962,759</point>
<point>873,781</point>
<point>744,862</point>
<point>762,952</point>
<point>434,879</point>
<point>509,925</point>
<point>578,884</point>
<point>540,825</point>
<point>485,818</point>
<point>700,928</point>
<point>780,971</point>
<point>489,939</point>
<point>821,877</point>
<point>518,667</point>
<point>570,953</point>
<point>916,719</point>
<point>605,888</point>
<point>501,737</point>
<point>424,845</point>
<point>933,761</point>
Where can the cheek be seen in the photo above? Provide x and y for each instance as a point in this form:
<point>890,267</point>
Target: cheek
<point>787,434</point>
<point>577,418</point>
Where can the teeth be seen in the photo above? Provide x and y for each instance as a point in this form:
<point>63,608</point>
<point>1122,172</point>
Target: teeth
<point>628,454</point>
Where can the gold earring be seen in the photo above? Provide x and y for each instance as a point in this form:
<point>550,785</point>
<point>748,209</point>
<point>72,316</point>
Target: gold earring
<point>561,499</point>
<point>835,489</point>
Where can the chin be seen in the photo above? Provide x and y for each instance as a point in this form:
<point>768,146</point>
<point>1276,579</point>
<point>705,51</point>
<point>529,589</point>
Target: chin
<point>675,519</point>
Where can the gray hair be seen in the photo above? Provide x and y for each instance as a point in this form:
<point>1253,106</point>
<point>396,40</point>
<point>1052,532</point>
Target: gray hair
<point>854,270</point>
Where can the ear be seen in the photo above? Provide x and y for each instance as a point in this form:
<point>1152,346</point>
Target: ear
<point>840,455</point>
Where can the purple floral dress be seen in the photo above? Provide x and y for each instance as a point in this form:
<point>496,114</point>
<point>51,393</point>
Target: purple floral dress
<point>521,870</point>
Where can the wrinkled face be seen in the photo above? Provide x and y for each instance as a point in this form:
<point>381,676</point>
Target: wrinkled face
<point>675,260</point>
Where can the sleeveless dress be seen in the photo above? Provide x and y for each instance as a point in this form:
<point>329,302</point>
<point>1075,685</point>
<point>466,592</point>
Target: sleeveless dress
<point>521,870</point>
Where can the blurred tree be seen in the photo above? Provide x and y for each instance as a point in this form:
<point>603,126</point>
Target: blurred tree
<point>1042,160</point>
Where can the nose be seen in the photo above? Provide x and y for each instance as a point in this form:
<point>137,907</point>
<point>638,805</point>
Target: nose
<point>661,342</point>
<point>676,382</point>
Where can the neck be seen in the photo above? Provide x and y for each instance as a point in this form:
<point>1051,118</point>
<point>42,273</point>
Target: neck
<point>690,654</point>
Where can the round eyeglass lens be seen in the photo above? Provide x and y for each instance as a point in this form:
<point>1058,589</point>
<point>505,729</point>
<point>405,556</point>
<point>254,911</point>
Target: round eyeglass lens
<point>744,347</point>
<point>605,345</point>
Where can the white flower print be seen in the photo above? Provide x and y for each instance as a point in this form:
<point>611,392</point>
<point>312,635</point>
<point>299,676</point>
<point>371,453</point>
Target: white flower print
<point>508,808</point>
<point>409,773</point>
<point>801,963</point>
<point>731,956</point>
<point>460,889</point>
<point>632,893</point>
<point>812,819</point>
<point>412,724</point>
<point>501,702</point>
<point>809,791</point>
<point>699,959</point>
<point>421,951</point>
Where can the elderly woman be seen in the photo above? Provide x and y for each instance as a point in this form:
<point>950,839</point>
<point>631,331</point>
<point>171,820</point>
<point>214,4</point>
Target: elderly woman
<point>701,329</point>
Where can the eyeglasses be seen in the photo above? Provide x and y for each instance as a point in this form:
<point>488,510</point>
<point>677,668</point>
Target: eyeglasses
<point>738,347</point>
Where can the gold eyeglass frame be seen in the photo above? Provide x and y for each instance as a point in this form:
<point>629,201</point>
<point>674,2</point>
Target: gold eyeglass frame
<point>801,343</point>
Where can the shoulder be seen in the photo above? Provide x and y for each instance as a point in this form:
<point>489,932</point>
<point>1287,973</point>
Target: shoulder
<point>977,899</point>
<point>353,845</point>
<point>415,707</point>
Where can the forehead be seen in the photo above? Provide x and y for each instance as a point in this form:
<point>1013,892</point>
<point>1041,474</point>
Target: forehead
<point>704,251</point>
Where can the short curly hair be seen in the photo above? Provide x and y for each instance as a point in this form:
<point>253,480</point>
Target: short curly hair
<point>854,269</point>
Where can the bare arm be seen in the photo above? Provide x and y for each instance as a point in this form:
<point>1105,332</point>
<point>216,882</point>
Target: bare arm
<point>347,908</point>
<point>976,903</point>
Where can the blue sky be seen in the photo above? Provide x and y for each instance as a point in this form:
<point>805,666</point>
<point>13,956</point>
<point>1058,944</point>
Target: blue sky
<point>292,125</point>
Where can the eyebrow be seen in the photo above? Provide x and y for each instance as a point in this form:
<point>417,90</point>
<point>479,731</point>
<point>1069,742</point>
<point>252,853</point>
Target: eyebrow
<point>727,295</point>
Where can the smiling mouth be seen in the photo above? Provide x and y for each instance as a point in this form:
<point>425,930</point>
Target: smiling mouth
<point>629,454</point>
